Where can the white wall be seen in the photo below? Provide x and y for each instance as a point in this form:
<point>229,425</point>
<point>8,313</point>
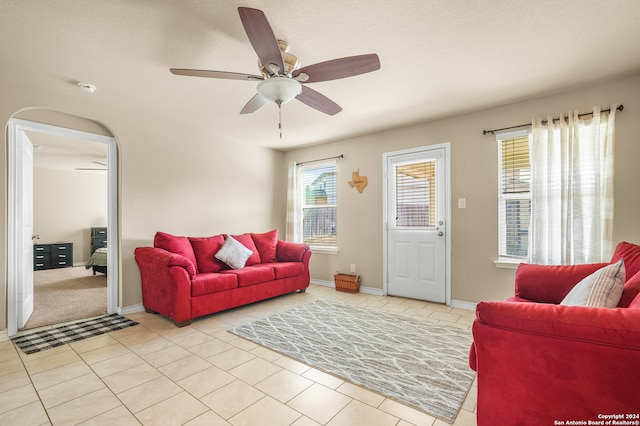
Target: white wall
<point>66,204</point>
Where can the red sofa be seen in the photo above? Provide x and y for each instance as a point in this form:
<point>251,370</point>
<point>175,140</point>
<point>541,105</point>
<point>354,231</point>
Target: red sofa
<point>541,363</point>
<point>182,279</point>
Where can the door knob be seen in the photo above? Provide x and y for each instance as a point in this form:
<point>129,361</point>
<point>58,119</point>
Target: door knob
<point>440,233</point>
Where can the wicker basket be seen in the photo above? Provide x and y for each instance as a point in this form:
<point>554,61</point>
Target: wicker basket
<point>347,283</point>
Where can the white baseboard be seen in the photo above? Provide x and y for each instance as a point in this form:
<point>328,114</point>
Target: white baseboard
<point>371,290</point>
<point>363,289</point>
<point>471,306</point>
<point>132,309</point>
<point>322,282</point>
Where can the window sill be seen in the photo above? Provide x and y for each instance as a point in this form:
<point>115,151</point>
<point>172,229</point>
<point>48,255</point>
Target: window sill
<point>507,263</point>
<point>324,250</point>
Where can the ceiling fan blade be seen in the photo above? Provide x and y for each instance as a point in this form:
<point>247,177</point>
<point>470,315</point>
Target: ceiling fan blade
<point>318,101</point>
<point>215,74</point>
<point>254,103</point>
<point>261,36</point>
<point>340,68</point>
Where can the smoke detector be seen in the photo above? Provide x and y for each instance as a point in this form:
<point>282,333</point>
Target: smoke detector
<point>86,87</point>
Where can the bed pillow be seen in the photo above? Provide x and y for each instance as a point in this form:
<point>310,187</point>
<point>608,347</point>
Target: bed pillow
<point>233,253</point>
<point>601,289</point>
<point>177,245</point>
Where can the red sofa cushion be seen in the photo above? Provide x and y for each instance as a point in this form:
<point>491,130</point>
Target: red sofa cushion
<point>205,250</point>
<point>631,255</point>
<point>177,245</point>
<point>631,293</point>
<point>290,252</point>
<point>286,269</point>
<point>266,244</point>
<point>252,275</point>
<point>550,283</point>
<point>247,241</point>
<point>208,283</point>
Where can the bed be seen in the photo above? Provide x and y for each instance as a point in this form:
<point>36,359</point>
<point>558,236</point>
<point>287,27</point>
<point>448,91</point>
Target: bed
<point>98,261</point>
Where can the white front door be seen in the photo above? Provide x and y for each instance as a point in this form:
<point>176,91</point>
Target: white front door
<point>416,224</point>
<point>25,230</point>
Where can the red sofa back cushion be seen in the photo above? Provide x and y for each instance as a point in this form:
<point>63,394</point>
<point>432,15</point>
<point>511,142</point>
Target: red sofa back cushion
<point>266,244</point>
<point>205,250</point>
<point>247,241</point>
<point>550,283</point>
<point>631,255</point>
<point>177,245</point>
<point>631,293</point>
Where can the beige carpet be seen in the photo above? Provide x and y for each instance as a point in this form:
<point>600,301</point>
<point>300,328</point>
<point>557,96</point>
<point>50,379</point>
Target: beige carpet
<point>67,294</point>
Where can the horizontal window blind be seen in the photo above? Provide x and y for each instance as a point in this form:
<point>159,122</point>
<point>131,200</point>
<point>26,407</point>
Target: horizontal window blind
<point>415,194</point>
<point>319,204</point>
<point>514,196</point>
<point>516,168</point>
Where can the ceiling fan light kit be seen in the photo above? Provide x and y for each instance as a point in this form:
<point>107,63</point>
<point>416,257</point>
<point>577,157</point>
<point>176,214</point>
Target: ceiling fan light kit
<point>279,89</point>
<point>280,70</point>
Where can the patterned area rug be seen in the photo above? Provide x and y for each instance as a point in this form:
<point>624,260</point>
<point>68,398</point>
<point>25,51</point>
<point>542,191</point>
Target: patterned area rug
<point>414,362</point>
<point>57,336</point>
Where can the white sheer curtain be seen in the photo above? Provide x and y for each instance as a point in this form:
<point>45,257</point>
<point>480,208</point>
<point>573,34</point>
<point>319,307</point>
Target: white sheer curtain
<point>572,189</point>
<point>293,203</point>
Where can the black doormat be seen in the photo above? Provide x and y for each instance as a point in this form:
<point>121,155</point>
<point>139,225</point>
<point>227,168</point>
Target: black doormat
<point>52,337</point>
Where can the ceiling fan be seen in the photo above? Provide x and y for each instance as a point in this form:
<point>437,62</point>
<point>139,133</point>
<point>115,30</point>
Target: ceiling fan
<point>280,76</point>
<point>92,168</point>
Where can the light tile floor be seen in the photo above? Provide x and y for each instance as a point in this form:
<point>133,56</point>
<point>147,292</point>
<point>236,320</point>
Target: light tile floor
<point>158,374</point>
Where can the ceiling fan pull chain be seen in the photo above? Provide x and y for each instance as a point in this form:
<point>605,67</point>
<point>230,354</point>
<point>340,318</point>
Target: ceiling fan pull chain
<point>280,117</point>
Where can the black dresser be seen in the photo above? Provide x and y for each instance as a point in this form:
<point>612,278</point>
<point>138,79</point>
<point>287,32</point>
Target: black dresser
<point>98,238</point>
<point>49,256</point>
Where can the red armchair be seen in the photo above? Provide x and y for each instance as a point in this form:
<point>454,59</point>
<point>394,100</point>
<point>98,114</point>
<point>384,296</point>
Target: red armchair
<point>541,363</point>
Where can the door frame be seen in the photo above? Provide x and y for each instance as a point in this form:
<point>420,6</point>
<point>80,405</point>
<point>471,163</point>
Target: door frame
<point>16,129</point>
<point>446,146</point>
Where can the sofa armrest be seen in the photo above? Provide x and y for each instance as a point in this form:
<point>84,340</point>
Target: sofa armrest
<point>550,283</point>
<point>166,282</point>
<point>287,251</point>
<point>161,257</point>
<point>540,363</point>
<point>603,326</point>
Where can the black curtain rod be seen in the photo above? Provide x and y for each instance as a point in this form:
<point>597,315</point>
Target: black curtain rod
<point>484,132</point>
<point>321,159</point>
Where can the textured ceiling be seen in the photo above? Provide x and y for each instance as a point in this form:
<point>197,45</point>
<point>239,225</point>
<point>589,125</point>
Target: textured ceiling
<point>438,57</point>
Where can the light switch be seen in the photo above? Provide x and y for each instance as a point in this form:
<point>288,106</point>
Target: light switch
<point>462,203</point>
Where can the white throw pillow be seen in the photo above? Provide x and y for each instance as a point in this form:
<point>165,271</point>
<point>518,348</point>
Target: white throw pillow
<point>601,289</point>
<point>233,253</point>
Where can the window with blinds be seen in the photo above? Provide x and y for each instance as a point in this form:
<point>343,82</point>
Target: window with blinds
<point>319,204</point>
<point>514,195</point>
<point>415,195</point>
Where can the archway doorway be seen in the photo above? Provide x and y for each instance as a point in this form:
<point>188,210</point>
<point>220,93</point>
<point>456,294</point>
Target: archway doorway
<point>20,194</point>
